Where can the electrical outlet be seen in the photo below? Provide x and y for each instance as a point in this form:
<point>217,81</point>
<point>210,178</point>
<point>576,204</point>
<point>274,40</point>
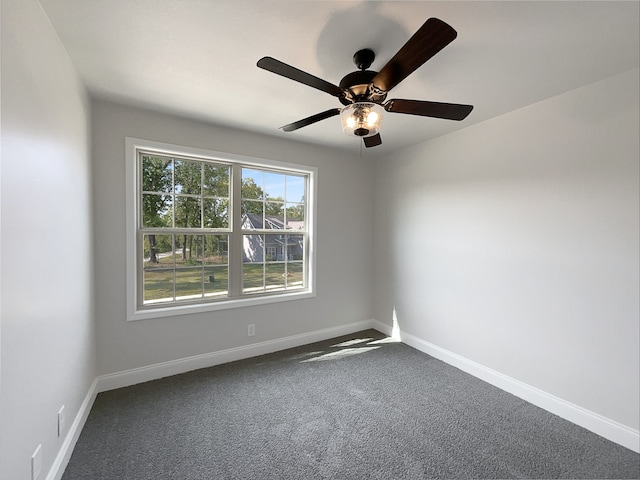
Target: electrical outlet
<point>36,463</point>
<point>251,330</point>
<point>61,421</point>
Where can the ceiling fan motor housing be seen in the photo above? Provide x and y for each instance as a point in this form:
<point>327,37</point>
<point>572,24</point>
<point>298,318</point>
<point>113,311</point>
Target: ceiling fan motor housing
<point>356,88</point>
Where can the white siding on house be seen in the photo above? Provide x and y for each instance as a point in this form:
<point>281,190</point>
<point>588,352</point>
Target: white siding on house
<point>254,247</point>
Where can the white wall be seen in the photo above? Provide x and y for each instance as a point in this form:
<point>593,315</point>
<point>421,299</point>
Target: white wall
<point>48,347</point>
<point>344,244</point>
<point>514,244</point>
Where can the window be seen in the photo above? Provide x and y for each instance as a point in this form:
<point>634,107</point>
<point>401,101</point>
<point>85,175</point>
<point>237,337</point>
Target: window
<point>208,230</point>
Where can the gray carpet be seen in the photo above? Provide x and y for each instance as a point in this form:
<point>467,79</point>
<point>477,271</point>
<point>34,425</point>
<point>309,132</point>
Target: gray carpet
<point>334,410</point>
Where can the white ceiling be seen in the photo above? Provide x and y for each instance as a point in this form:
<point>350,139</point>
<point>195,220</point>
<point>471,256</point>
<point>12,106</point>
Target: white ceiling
<point>197,58</point>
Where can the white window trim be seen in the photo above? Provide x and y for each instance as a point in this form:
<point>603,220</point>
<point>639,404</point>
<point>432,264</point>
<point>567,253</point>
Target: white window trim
<point>132,145</point>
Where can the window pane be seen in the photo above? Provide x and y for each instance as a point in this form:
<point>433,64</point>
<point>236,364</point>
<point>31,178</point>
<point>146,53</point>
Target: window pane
<point>274,213</point>
<point>252,248</point>
<point>252,183</point>
<point>216,249</point>
<point>158,285</point>
<point>295,216</point>
<point>188,283</point>
<point>157,251</point>
<point>156,210</point>
<point>157,174</point>
<point>216,280</point>
<point>252,212</point>
<point>188,178</point>
<point>274,185</point>
<point>195,250</point>
<point>189,250</point>
<point>274,246</point>
<point>215,180</point>
<point>252,277</point>
<point>188,212</point>
<point>295,247</point>
<point>295,277</point>
<point>157,274</point>
<point>295,188</point>
<point>216,213</point>
<point>275,276</point>
<point>252,268</point>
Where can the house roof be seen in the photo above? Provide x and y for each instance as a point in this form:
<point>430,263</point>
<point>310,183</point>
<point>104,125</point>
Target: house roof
<point>273,222</point>
<point>256,221</point>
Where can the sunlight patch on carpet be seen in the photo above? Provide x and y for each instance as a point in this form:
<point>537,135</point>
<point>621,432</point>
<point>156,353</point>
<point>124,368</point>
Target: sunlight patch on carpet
<point>355,341</point>
<point>347,352</point>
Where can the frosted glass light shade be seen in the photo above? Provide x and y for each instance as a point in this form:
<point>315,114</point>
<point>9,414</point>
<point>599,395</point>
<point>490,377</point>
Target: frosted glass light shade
<point>361,119</point>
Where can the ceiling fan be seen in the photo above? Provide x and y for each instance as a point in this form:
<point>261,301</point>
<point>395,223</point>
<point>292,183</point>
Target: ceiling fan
<point>363,92</point>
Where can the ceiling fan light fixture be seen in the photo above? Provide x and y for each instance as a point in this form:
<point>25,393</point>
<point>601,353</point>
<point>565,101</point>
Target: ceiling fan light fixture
<point>361,119</point>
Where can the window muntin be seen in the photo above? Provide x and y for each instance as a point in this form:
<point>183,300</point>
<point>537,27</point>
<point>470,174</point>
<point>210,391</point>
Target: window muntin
<point>186,238</point>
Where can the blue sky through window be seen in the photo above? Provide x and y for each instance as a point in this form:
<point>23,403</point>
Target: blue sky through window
<point>291,188</point>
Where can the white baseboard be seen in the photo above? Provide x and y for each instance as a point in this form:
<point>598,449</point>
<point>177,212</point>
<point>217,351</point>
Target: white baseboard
<point>605,427</point>
<point>183,365</point>
<point>69,443</point>
<point>382,327</point>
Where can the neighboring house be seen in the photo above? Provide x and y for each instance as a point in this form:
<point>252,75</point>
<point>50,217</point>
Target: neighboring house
<point>277,246</point>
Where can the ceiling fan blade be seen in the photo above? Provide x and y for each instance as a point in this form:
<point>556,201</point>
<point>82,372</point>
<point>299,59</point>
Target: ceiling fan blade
<point>287,71</point>
<point>312,119</point>
<point>449,111</point>
<point>372,141</point>
<point>430,38</point>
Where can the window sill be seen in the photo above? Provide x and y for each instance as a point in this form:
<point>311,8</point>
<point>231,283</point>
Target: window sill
<point>177,310</point>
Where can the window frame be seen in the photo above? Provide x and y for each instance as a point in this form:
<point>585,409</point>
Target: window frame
<point>236,299</point>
